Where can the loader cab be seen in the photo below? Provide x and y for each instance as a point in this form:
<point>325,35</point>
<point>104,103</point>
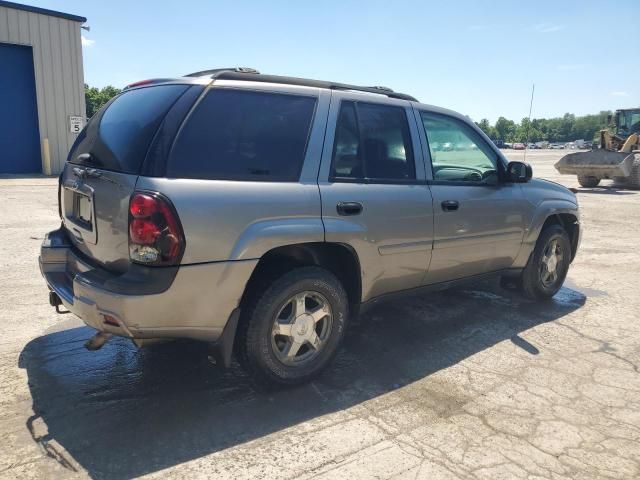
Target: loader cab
<point>627,121</point>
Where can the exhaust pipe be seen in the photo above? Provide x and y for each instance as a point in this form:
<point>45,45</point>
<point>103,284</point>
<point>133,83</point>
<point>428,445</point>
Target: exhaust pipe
<point>97,341</point>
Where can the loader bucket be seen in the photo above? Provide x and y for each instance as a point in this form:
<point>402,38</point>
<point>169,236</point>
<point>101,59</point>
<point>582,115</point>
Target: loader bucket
<point>596,163</point>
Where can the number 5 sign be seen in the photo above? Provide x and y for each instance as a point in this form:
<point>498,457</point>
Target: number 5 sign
<point>75,123</point>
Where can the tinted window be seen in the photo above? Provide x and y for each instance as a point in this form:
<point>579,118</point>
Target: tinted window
<point>373,142</point>
<point>118,136</point>
<point>346,159</point>
<point>458,154</point>
<point>243,135</point>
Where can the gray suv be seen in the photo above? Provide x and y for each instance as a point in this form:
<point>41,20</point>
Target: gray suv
<point>260,213</point>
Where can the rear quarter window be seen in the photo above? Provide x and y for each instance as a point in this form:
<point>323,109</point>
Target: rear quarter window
<point>244,135</point>
<point>118,137</point>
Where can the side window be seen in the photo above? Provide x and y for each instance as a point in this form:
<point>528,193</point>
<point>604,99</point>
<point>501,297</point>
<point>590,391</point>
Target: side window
<point>372,142</point>
<point>346,159</point>
<point>244,135</point>
<point>458,154</point>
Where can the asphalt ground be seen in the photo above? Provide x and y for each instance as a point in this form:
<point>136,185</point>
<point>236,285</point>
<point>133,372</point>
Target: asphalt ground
<point>474,382</point>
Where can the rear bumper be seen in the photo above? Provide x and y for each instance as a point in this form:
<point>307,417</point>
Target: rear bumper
<point>193,301</point>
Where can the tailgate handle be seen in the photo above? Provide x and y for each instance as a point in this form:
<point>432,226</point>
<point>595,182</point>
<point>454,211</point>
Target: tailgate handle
<point>86,172</point>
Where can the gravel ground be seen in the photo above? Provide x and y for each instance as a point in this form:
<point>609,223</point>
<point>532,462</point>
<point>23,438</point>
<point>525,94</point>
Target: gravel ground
<point>468,383</point>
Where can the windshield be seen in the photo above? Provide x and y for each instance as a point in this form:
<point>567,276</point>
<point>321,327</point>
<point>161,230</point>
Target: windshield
<point>629,122</point>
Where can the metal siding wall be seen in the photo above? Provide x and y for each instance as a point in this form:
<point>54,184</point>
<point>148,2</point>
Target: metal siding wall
<point>57,58</point>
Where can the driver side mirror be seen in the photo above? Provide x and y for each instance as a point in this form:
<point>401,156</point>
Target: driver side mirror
<point>519,172</point>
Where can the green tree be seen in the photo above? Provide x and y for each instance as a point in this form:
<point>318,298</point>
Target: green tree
<point>95,98</point>
<point>505,129</point>
<point>561,129</point>
<point>486,127</point>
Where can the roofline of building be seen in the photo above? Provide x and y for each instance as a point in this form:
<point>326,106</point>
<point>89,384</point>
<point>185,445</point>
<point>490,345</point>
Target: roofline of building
<point>42,11</point>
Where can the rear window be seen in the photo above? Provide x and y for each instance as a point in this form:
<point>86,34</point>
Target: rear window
<point>244,135</point>
<point>118,137</point>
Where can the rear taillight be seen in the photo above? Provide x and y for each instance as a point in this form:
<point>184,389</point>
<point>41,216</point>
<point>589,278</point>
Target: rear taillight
<point>155,234</point>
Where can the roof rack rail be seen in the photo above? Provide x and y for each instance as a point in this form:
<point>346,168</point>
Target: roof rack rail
<point>384,89</point>
<point>216,71</point>
<point>255,76</point>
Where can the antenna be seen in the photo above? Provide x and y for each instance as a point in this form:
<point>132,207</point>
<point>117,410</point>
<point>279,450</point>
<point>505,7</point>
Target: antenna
<point>526,144</point>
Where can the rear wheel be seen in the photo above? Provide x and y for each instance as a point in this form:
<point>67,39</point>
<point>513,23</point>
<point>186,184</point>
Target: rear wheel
<point>633,180</point>
<point>588,181</point>
<point>620,181</point>
<point>548,264</point>
<point>290,331</point>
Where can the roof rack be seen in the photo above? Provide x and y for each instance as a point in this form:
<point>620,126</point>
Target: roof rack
<point>250,74</point>
<point>216,71</point>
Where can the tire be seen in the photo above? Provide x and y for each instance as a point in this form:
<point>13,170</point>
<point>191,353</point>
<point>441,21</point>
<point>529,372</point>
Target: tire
<point>633,180</point>
<point>261,347</point>
<point>620,181</point>
<point>588,181</point>
<point>534,285</point>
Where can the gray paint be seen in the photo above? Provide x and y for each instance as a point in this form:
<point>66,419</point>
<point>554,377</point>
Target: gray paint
<point>59,77</point>
<point>402,238</point>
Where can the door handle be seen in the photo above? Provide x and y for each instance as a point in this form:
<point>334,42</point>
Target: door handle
<point>450,205</point>
<point>349,208</point>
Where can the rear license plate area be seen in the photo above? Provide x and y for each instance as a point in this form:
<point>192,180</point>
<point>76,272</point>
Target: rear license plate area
<point>82,210</point>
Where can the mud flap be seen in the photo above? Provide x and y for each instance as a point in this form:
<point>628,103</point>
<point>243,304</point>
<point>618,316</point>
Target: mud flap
<point>222,348</point>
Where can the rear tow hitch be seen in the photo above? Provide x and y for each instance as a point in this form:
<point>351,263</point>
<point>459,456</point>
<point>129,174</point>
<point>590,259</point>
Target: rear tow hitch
<point>97,341</point>
<point>54,301</point>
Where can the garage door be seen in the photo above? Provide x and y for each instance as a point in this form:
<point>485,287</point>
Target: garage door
<point>19,137</point>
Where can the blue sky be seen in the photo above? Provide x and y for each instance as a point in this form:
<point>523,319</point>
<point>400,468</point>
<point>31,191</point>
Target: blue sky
<point>479,58</point>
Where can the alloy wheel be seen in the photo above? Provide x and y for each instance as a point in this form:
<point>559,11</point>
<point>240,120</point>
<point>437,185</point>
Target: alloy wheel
<point>301,328</point>
<point>551,263</point>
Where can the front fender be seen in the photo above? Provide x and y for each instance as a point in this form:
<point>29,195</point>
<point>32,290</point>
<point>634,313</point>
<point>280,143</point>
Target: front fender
<point>542,212</point>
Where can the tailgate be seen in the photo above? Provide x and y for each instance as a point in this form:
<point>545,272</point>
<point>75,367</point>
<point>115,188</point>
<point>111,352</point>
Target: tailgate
<point>95,211</point>
<point>103,168</point>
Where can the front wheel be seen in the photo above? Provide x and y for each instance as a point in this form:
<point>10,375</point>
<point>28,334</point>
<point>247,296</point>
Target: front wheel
<point>588,181</point>
<point>548,264</point>
<point>292,330</point>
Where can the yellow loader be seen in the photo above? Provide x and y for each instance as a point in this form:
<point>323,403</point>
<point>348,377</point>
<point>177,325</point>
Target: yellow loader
<point>617,158</point>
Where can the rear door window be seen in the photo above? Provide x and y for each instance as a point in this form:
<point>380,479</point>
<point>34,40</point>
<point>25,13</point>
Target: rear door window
<point>372,143</point>
<point>117,137</point>
<point>244,135</point>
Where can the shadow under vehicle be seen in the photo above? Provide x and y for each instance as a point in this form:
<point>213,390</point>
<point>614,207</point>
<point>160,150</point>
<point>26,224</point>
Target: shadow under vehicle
<point>123,412</point>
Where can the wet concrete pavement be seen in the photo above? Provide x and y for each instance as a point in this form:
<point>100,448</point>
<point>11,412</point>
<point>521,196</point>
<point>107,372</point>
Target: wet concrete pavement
<point>474,382</point>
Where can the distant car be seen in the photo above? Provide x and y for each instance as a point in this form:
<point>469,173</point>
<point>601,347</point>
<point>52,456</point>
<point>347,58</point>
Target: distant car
<point>447,147</point>
<point>556,146</point>
<point>518,146</point>
<point>435,146</point>
<point>460,146</point>
<point>499,143</point>
<point>532,146</point>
